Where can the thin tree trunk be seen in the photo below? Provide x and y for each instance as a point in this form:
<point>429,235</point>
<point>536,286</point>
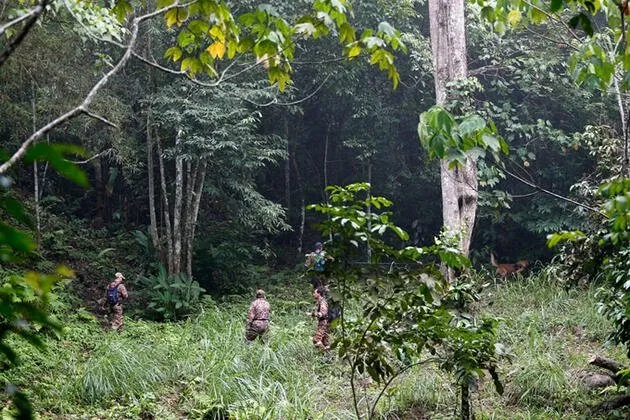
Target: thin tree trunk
<point>155,238</point>
<point>302,209</point>
<point>189,191</point>
<point>177,207</point>
<point>466,408</point>
<point>302,223</point>
<point>167,215</point>
<point>326,173</point>
<point>195,213</point>
<point>459,185</point>
<point>369,212</point>
<point>287,168</point>
<point>38,220</point>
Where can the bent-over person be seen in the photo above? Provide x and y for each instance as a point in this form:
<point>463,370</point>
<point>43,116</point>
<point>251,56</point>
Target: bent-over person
<point>321,337</point>
<point>258,317</point>
<point>114,295</point>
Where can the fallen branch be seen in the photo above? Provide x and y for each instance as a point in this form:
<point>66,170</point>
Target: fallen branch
<point>606,363</point>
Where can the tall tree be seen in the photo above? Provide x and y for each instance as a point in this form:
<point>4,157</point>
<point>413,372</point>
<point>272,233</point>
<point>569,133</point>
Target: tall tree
<point>459,184</point>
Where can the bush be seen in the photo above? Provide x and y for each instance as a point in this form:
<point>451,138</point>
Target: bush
<point>171,296</point>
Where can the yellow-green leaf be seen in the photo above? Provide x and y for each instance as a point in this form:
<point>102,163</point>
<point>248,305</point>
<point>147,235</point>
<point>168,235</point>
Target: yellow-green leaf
<point>354,51</point>
<point>170,17</point>
<point>182,15</point>
<point>217,33</point>
<point>514,17</point>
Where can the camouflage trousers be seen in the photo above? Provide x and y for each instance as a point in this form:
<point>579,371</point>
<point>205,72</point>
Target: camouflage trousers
<point>115,317</point>
<point>256,329</point>
<point>321,339</point>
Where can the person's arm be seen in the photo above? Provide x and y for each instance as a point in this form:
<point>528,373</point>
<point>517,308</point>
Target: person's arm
<point>321,311</point>
<point>252,313</point>
<point>123,291</point>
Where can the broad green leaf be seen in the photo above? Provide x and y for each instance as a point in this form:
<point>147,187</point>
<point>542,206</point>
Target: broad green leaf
<point>471,124</point>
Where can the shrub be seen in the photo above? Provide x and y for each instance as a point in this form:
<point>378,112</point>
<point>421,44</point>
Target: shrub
<point>171,296</point>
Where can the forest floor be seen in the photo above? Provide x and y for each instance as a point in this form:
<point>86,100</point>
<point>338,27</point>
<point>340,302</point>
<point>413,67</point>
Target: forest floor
<point>201,367</point>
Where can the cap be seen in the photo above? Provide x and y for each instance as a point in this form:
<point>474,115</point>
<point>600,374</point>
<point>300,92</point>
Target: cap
<point>260,293</point>
<point>120,275</point>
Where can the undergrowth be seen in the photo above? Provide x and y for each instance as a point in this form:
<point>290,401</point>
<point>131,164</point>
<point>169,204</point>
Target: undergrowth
<point>202,368</point>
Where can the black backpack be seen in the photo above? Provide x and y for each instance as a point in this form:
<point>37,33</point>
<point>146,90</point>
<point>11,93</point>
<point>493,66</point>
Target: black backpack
<point>112,295</point>
<point>334,312</point>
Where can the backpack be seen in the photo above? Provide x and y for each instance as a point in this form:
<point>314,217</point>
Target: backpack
<point>112,295</point>
<point>334,312</point>
<point>319,261</point>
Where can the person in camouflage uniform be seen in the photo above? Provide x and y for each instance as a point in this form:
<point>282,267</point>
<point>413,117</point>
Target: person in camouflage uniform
<point>258,317</point>
<point>114,296</point>
<point>316,265</point>
<point>321,337</point>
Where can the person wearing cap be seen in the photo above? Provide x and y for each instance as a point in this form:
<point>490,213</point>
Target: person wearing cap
<point>316,264</point>
<point>258,317</point>
<point>114,296</point>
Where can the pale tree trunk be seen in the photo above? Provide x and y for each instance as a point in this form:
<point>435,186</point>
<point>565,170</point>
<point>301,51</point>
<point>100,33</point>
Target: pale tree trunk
<point>38,218</point>
<point>330,237</point>
<point>201,176</point>
<point>167,215</point>
<point>177,209</point>
<point>302,208</point>
<point>155,238</point>
<point>459,186</point>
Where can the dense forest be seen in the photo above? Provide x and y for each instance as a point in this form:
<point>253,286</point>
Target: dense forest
<point>462,166</point>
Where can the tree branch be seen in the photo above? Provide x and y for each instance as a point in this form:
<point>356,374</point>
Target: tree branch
<point>15,42</point>
<point>83,107</point>
<point>536,187</point>
<point>18,20</point>
<point>100,118</point>
<point>83,162</point>
<point>554,19</point>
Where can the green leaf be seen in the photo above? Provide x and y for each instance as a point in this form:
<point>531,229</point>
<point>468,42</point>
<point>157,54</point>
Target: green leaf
<point>185,38</point>
<point>583,22</point>
<point>471,124</point>
<point>354,50</point>
<point>55,155</point>
<point>122,9</point>
<point>555,5</point>
<point>174,53</point>
<point>491,141</point>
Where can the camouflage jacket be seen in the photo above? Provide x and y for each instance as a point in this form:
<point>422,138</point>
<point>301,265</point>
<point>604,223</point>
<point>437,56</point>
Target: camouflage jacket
<point>259,310</point>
